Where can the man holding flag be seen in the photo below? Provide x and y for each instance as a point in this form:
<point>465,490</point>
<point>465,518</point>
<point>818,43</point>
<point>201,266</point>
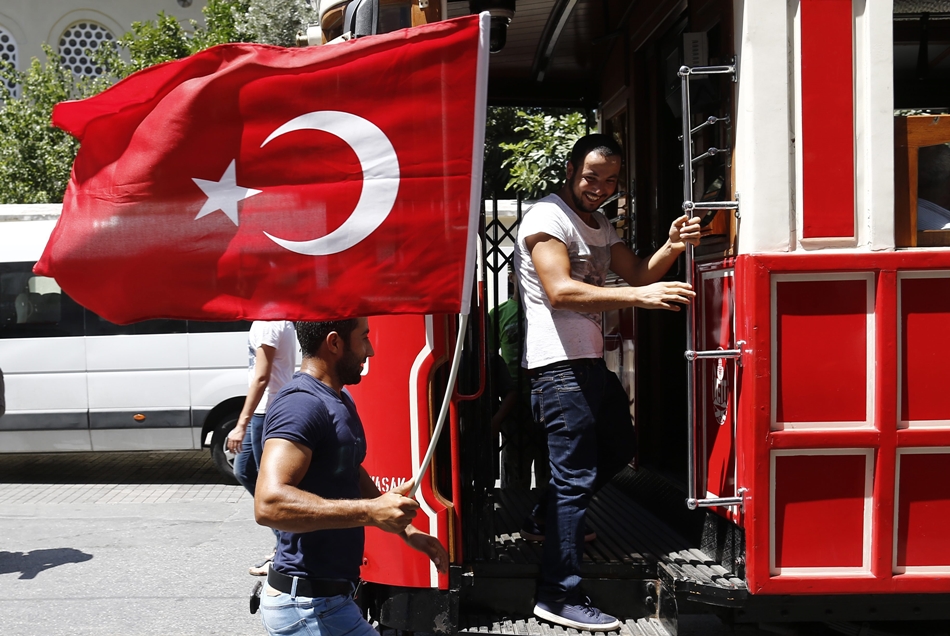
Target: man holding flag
<point>313,489</point>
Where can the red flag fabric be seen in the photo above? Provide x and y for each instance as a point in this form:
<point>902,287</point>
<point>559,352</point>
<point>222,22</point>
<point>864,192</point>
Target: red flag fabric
<point>257,182</point>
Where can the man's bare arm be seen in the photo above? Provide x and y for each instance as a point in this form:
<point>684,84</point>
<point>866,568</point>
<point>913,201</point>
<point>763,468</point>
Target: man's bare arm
<point>263,364</point>
<point>553,264</point>
<point>640,272</point>
<point>280,504</point>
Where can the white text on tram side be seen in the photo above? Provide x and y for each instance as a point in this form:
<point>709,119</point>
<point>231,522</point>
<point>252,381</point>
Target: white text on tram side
<point>386,483</point>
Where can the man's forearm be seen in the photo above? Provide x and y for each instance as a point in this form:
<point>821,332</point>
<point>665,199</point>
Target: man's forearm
<point>293,510</point>
<point>255,394</point>
<point>654,268</point>
<point>585,298</point>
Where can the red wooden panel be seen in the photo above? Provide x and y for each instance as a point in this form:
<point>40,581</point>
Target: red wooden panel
<point>819,522</point>
<point>827,119</point>
<point>923,510</point>
<point>925,313</point>
<point>821,348</point>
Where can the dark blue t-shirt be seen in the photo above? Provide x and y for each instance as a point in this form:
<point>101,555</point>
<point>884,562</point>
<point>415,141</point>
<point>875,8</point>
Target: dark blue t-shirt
<point>309,412</point>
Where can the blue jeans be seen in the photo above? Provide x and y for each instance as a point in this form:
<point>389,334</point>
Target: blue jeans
<point>247,462</point>
<point>586,413</point>
<point>322,616</point>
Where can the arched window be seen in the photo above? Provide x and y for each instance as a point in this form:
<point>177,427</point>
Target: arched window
<point>77,44</point>
<point>8,53</point>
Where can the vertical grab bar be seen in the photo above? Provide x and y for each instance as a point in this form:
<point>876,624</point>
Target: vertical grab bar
<point>689,206</point>
<point>690,312</point>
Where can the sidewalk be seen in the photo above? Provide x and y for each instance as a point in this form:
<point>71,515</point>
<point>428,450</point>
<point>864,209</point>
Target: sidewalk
<point>125,544</point>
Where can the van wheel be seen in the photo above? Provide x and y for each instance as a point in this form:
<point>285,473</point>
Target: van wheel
<point>222,457</point>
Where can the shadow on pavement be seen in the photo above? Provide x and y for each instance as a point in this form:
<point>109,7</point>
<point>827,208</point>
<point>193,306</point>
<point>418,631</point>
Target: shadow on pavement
<point>29,564</point>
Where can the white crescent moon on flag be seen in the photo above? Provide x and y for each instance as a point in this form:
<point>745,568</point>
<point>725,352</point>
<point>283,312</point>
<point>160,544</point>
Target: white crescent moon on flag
<point>380,166</point>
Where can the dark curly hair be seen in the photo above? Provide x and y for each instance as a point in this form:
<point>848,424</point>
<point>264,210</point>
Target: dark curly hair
<point>311,335</point>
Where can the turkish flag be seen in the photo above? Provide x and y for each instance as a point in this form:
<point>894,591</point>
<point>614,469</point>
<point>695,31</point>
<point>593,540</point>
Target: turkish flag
<point>256,182</point>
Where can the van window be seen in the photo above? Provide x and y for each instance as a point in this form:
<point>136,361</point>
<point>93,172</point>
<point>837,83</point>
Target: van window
<point>203,326</point>
<point>35,306</point>
<point>98,326</point>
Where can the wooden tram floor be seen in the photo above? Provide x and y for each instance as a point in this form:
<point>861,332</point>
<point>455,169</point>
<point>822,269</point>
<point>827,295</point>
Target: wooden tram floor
<point>631,544</point>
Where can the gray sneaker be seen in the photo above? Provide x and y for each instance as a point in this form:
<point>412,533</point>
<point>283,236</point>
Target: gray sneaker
<point>580,616</point>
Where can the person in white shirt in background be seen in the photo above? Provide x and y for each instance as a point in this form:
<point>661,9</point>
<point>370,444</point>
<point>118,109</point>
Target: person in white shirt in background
<point>272,353</point>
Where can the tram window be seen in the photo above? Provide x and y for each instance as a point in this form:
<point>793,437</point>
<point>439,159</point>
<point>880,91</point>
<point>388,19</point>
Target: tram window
<point>332,24</point>
<point>922,180</point>
<point>35,306</point>
<point>394,15</point>
<point>922,55</point>
<point>922,122</point>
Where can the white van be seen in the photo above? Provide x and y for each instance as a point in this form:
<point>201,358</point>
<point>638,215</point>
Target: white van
<point>76,382</point>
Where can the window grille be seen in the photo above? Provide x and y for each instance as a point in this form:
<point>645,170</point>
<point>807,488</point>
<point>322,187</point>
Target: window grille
<point>77,45</point>
<point>8,53</point>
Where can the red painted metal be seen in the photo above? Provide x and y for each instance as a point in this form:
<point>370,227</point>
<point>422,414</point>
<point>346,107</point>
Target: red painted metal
<point>827,119</point>
<point>756,442</point>
<point>925,316</point>
<point>820,522</point>
<point>385,406</point>
<point>923,504</point>
<point>822,343</point>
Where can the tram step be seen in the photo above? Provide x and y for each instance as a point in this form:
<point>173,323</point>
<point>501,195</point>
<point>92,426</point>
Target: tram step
<point>478,625</point>
<point>694,576</point>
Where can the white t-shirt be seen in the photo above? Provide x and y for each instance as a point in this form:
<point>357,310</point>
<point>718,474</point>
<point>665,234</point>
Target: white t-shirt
<point>555,335</point>
<point>280,335</point>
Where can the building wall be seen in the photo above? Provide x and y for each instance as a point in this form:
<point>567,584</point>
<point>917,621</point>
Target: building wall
<point>30,24</point>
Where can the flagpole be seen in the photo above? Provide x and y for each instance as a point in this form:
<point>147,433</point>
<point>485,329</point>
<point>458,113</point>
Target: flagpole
<point>478,142</point>
<point>444,411</point>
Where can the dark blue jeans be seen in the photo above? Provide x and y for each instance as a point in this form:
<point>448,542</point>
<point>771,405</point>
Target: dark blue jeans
<point>586,414</point>
<point>247,462</point>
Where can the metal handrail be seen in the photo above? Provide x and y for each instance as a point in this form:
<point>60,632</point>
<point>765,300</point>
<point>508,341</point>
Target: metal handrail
<point>685,72</point>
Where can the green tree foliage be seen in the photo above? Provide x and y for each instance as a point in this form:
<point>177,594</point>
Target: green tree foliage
<point>274,21</point>
<point>536,165</point>
<point>165,38</point>
<point>35,157</point>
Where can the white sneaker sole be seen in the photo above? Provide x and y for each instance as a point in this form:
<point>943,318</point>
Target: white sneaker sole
<point>566,622</point>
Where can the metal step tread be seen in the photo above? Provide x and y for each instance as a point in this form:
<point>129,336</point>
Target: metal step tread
<point>693,573</point>
<point>533,627</point>
<point>630,540</point>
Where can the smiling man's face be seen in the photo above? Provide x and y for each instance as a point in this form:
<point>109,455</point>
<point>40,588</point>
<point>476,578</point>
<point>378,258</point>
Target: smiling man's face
<point>594,182</point>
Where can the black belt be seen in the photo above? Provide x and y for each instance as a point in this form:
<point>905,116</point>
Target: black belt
<point>564,364</point>
<point>310,588</point>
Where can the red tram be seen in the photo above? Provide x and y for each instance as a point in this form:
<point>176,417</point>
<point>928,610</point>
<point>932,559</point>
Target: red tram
<point>794,466</point>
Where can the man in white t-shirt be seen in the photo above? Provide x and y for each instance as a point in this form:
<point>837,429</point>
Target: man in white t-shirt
<point>272,354</point>
<point>564,250</point>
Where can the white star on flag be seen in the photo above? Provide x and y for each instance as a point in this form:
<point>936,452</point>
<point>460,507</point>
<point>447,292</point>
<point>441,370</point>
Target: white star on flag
<point>223,194</point>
